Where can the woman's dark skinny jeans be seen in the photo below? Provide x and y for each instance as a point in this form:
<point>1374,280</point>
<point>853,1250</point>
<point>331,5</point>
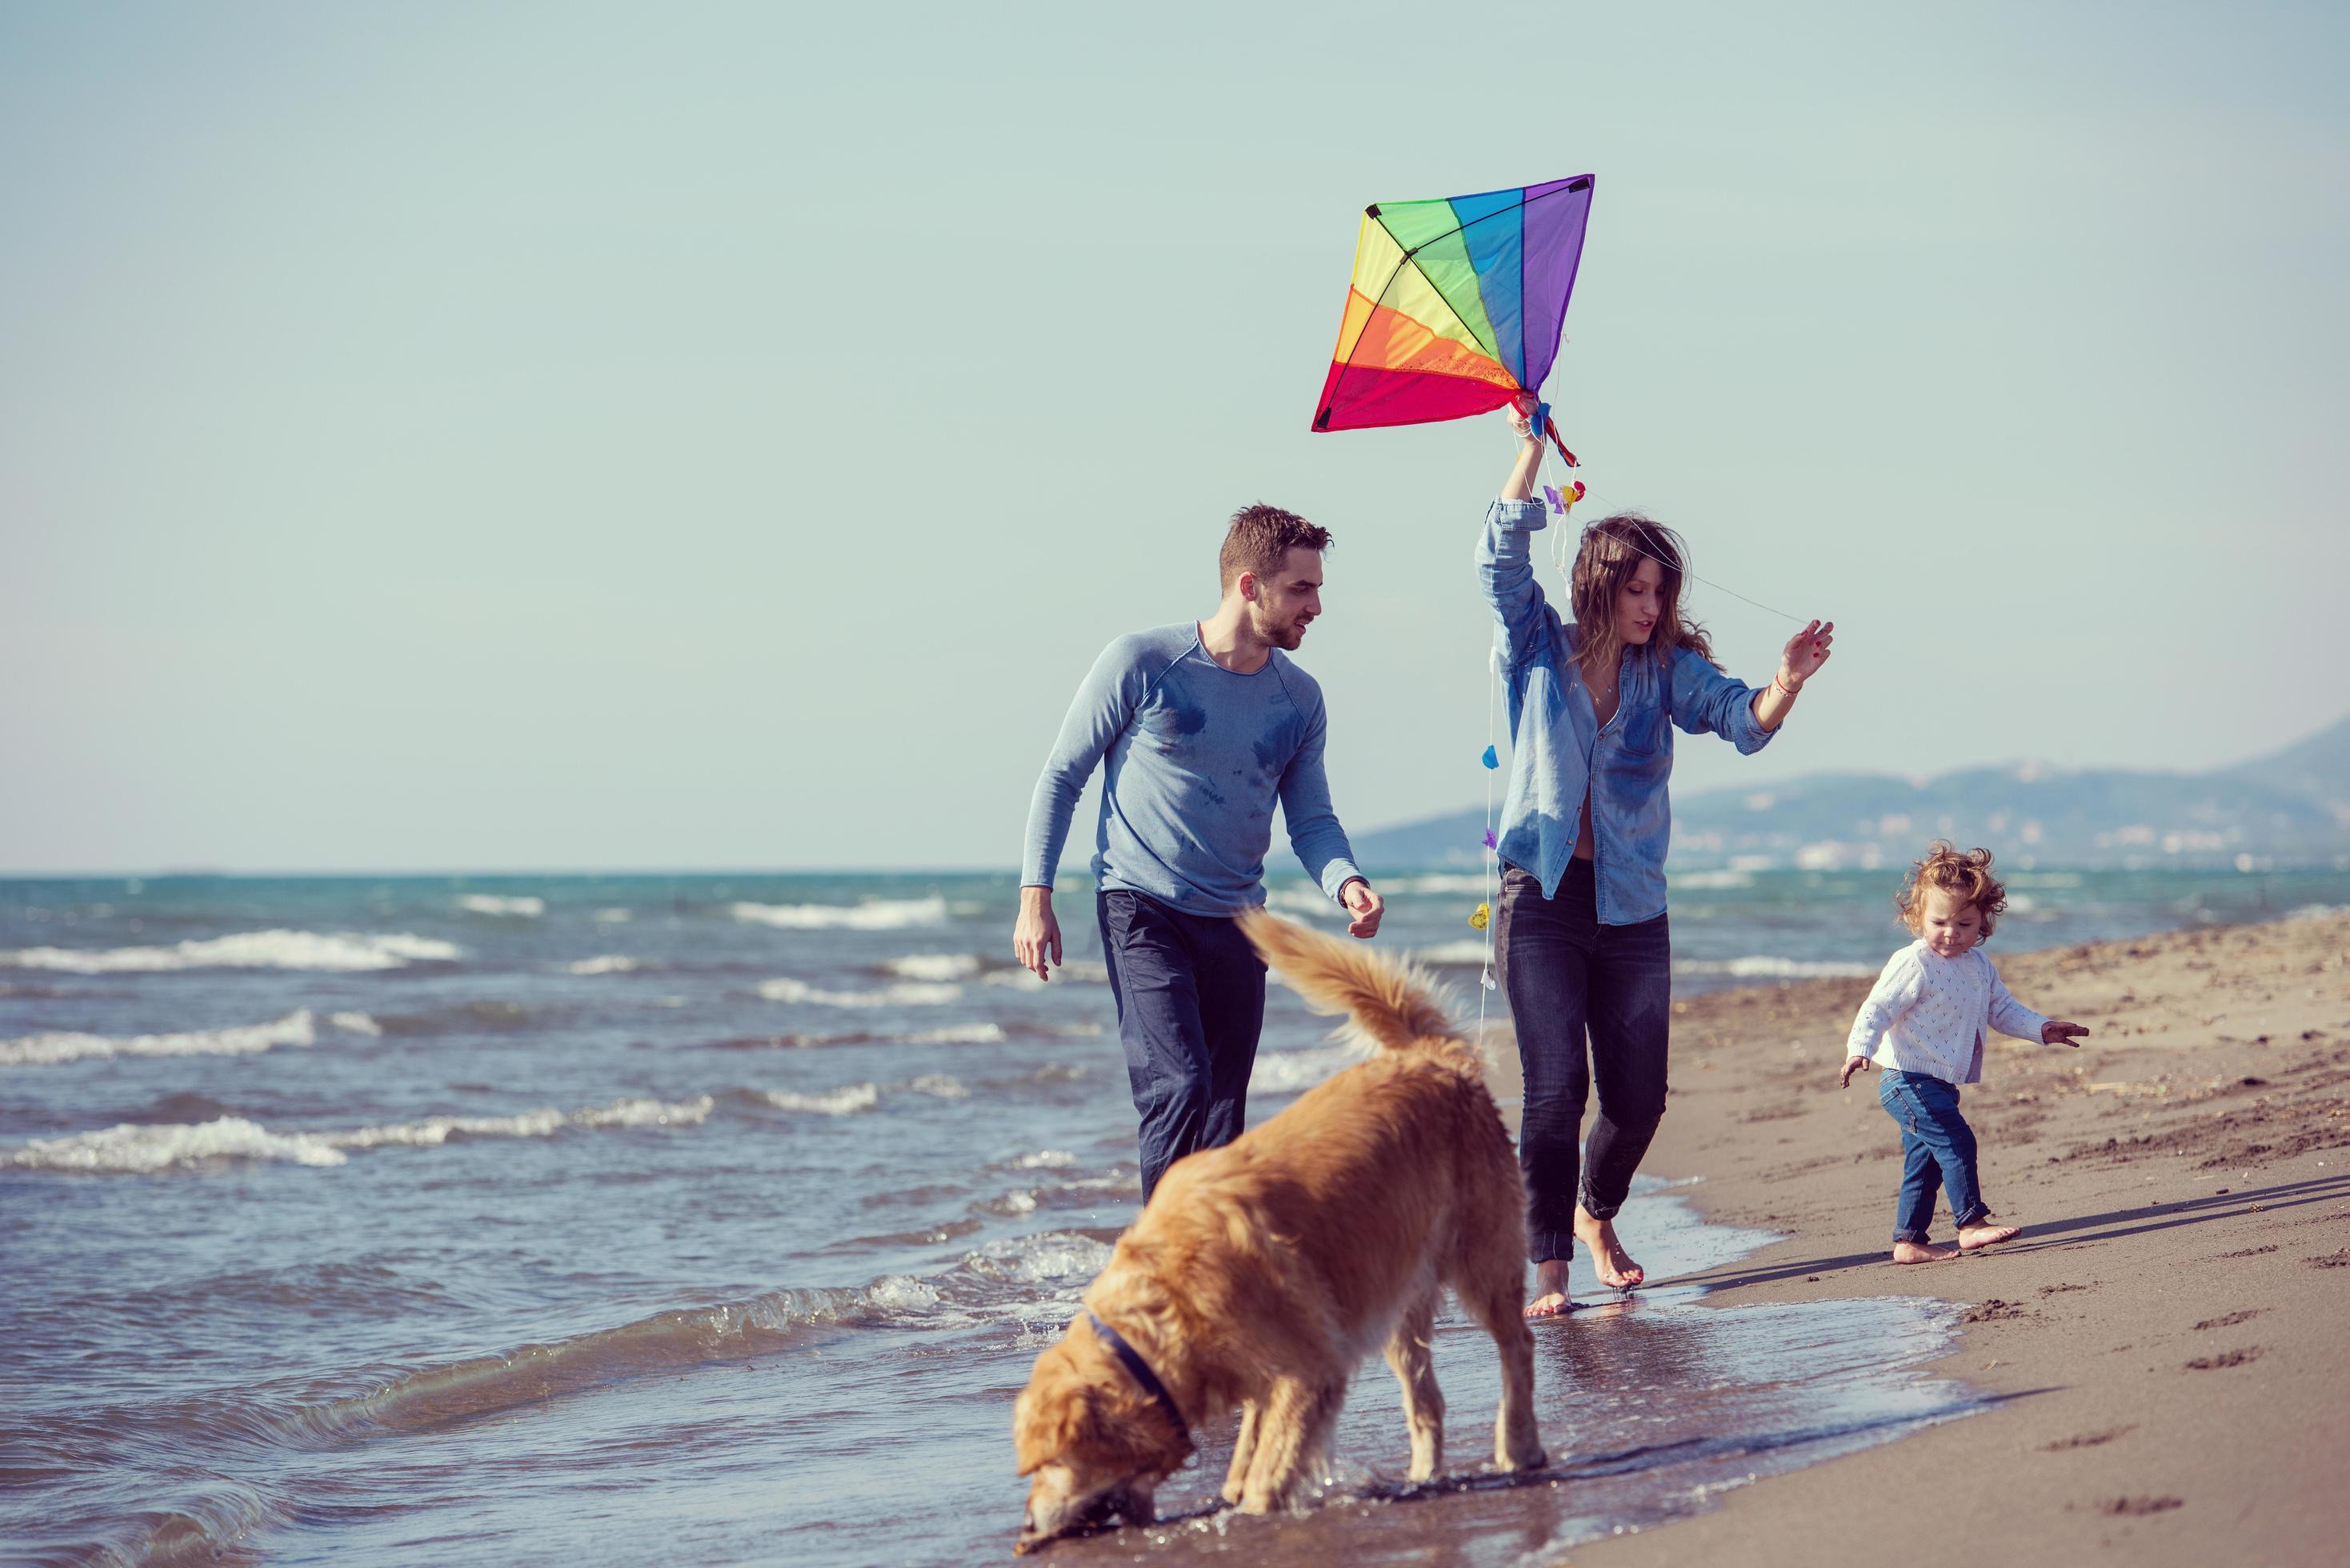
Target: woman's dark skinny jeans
<point>1568,976</point>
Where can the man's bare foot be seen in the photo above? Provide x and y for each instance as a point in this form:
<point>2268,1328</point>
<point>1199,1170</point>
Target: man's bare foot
<point>1609,1261</point>
<point>1550,1290</point>
<point>1972,1238</point>
<point>1922,1252</point>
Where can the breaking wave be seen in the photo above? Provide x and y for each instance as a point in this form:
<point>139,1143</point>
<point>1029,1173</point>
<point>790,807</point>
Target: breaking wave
<point>934,966</point>
<point>841,1102</point>
<point>1028,1279</point>
<point>49,1049</point>
<point>874,915</point>
<point>906,993</point>
<point>607,963</point>
<point>131,1148</point>
<point>249,949</point>
<point>492,904</point>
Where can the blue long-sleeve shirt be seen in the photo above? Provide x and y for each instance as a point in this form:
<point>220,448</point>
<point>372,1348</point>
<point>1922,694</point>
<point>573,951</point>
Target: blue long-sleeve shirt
<point>1559,750</point>
<point>1196,758</point>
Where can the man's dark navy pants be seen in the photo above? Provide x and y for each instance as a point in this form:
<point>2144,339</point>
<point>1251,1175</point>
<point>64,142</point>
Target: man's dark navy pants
<point>1190,1000</point>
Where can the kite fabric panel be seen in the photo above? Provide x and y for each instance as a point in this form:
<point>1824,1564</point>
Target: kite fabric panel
<point>1456,306</point>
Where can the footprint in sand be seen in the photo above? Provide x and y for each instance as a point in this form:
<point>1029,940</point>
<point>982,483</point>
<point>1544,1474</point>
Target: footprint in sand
<point>2087,1439</point>
<point>2227,1358</point>
<point>2231,1320</point>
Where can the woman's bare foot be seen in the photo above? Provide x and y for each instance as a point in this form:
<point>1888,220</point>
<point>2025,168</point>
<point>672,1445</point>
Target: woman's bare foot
<point>1550,1290</point>
<point>1985,1234</point>
<point>1609,1261</point>
<point>1922,1252</point>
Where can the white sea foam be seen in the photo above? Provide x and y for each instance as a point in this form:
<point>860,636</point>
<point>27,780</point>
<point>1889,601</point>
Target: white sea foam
<point>903,1293</point>
<point>607,963</point>
<point>493,904</point>
<point>647,1113</point>
<point>1692,881</point>
<point>956,1035</point>
<point>839,1102</point>
<point>1045,1159</point>
<point>614,917</point>
<point>1468,951</point>
<point>244,1040</point>
<point>1045,1259</point>
<point>939,1085</point>
<point>934,966</point>
<point>906,993</point>
<point>1762,966</point>
<point>1089,972</point>
<point>2318,911</point>
<point>1278,1071</point>
<point>434,1131</point>
<point>355,1023</point>
<point>132,1149</point>
<point>247,949</point>
<point>874,915</point>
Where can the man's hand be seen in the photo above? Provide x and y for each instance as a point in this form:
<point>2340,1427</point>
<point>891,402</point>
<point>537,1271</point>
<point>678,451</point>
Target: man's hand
<point>1363,905</point>
<point>1852,1064</point>
<point>1036,932</point>
<point>2057,1033</point>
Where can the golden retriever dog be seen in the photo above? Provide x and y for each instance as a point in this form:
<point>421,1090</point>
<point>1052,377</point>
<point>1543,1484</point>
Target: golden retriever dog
<point>1260,1273</point>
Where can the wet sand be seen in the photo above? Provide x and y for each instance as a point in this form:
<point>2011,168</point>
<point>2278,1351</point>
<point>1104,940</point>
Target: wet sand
<point>2165,1351</point>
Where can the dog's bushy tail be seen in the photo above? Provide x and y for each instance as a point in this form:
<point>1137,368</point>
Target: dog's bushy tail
<point>1389,1002</point>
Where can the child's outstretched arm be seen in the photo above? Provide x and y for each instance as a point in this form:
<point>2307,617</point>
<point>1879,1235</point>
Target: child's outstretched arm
<point>1896,990</point>
<point>2011,1017</point>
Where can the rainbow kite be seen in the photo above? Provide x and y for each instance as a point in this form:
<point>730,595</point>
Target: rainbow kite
<point>1456,306</point>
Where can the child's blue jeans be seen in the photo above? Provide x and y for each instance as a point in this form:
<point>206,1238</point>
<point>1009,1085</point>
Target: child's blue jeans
<point>1933,1137</point>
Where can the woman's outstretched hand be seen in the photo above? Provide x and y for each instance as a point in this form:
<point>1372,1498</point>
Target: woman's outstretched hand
<point>1805,653</point>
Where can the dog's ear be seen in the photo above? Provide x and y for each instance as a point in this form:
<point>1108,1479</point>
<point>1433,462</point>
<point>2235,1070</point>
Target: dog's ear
<point>1054,1414</point>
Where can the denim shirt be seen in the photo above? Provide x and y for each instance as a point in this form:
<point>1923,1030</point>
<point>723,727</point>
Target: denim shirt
<point>1559,749</point>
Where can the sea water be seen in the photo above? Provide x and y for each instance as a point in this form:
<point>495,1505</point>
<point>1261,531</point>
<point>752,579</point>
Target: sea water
<point>718,1218</point>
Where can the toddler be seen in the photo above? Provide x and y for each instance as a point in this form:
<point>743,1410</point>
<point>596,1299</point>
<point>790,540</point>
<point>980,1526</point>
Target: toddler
<point>1923,1022</point>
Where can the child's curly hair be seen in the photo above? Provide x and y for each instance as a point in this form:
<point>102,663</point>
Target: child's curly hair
<point>1966,874</point>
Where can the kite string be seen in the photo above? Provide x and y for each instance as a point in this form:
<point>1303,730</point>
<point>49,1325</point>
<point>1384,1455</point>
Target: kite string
<point>1493,848</point>
<point>1567,568</point>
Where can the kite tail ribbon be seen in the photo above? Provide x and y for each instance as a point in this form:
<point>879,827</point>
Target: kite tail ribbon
<point>1550,428</point>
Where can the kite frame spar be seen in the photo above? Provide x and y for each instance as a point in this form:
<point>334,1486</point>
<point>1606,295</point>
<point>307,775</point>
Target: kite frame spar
<point>1446,367</point>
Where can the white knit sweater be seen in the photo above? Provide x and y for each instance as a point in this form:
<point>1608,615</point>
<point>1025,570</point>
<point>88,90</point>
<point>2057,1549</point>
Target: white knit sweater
<point>1928,1014</point>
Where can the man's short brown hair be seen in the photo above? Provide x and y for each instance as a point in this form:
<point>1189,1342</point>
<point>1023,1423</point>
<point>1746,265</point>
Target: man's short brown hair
<point>1260,540</point>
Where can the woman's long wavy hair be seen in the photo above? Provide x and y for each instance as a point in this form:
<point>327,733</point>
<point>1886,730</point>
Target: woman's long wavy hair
<point>1610,555</point>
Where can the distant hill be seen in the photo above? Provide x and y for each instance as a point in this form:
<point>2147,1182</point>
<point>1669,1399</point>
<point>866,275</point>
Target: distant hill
<point>2293,806</point>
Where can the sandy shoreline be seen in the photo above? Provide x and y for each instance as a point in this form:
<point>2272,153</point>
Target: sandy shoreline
<point>2166,1344</point>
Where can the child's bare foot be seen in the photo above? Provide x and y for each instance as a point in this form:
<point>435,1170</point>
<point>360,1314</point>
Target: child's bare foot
<point>1550,1290</point>
<point>1922,1252</point>
<point>1972,1238</point>
<point>1609,1261</point>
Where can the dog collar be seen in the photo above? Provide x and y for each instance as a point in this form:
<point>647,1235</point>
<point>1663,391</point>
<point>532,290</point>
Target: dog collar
<point>1140,1369</point>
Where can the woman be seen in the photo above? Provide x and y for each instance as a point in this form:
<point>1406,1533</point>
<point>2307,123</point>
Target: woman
<point>1581,932</point>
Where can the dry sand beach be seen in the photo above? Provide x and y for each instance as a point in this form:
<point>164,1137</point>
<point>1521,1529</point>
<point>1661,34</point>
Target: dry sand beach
<point>2164,1346</point>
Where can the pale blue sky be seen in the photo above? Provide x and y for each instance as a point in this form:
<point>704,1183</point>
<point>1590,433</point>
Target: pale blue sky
<point>447,436</point>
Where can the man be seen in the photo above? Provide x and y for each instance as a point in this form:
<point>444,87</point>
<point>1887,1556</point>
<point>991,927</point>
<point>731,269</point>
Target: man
<point>1204,725</point>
